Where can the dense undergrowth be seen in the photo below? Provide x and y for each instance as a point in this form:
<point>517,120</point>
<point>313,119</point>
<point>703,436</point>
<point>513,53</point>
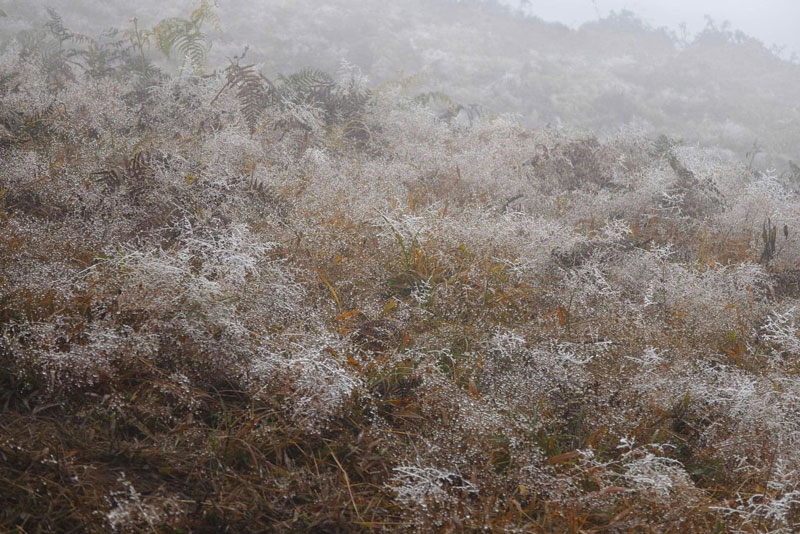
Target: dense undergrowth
<point>236,304</point>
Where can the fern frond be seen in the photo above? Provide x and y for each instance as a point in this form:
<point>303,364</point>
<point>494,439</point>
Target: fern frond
<point>168,32</point>
<point>308,86</point>
<point>134,173</point>
<point>57,28</point>
<point>194,48</point>
<point>204,12</point>
<point>56,25</point>
<point>254,91</point>
<point>337,102</point>
<point>183,37</point>
<point>5,79</point>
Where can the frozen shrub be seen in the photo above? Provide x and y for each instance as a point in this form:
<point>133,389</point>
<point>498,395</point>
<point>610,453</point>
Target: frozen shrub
<point>776,509</point>
<point>419,486</point>
<point>318,381</point>
<point>327,307</point>
<point>648,470</point>
<point>64,360</point>
<point>130,511</point>
<point>780,331</point>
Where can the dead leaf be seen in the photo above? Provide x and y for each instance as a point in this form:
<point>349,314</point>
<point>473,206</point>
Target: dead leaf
<point>346,315</point>
<point>473,388</point>
<point>561,458</point>
<point>563,316</point>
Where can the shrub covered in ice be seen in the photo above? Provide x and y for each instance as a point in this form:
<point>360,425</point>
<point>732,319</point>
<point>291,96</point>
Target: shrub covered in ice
<point>300,299</point>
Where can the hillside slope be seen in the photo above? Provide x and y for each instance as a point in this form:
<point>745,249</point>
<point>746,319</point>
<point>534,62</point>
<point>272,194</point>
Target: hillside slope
<point>244,303</point>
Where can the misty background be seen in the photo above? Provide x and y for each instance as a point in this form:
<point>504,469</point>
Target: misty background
<point>771,21</point>
<point>713,73</point>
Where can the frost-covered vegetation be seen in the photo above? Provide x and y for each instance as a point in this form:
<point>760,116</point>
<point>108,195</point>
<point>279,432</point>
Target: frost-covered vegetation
<point>719,88</point>
<point>239,302</point>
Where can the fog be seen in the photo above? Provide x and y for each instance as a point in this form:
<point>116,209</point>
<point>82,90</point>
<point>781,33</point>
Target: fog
<point>716,73</point>
<point>771,21</point>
